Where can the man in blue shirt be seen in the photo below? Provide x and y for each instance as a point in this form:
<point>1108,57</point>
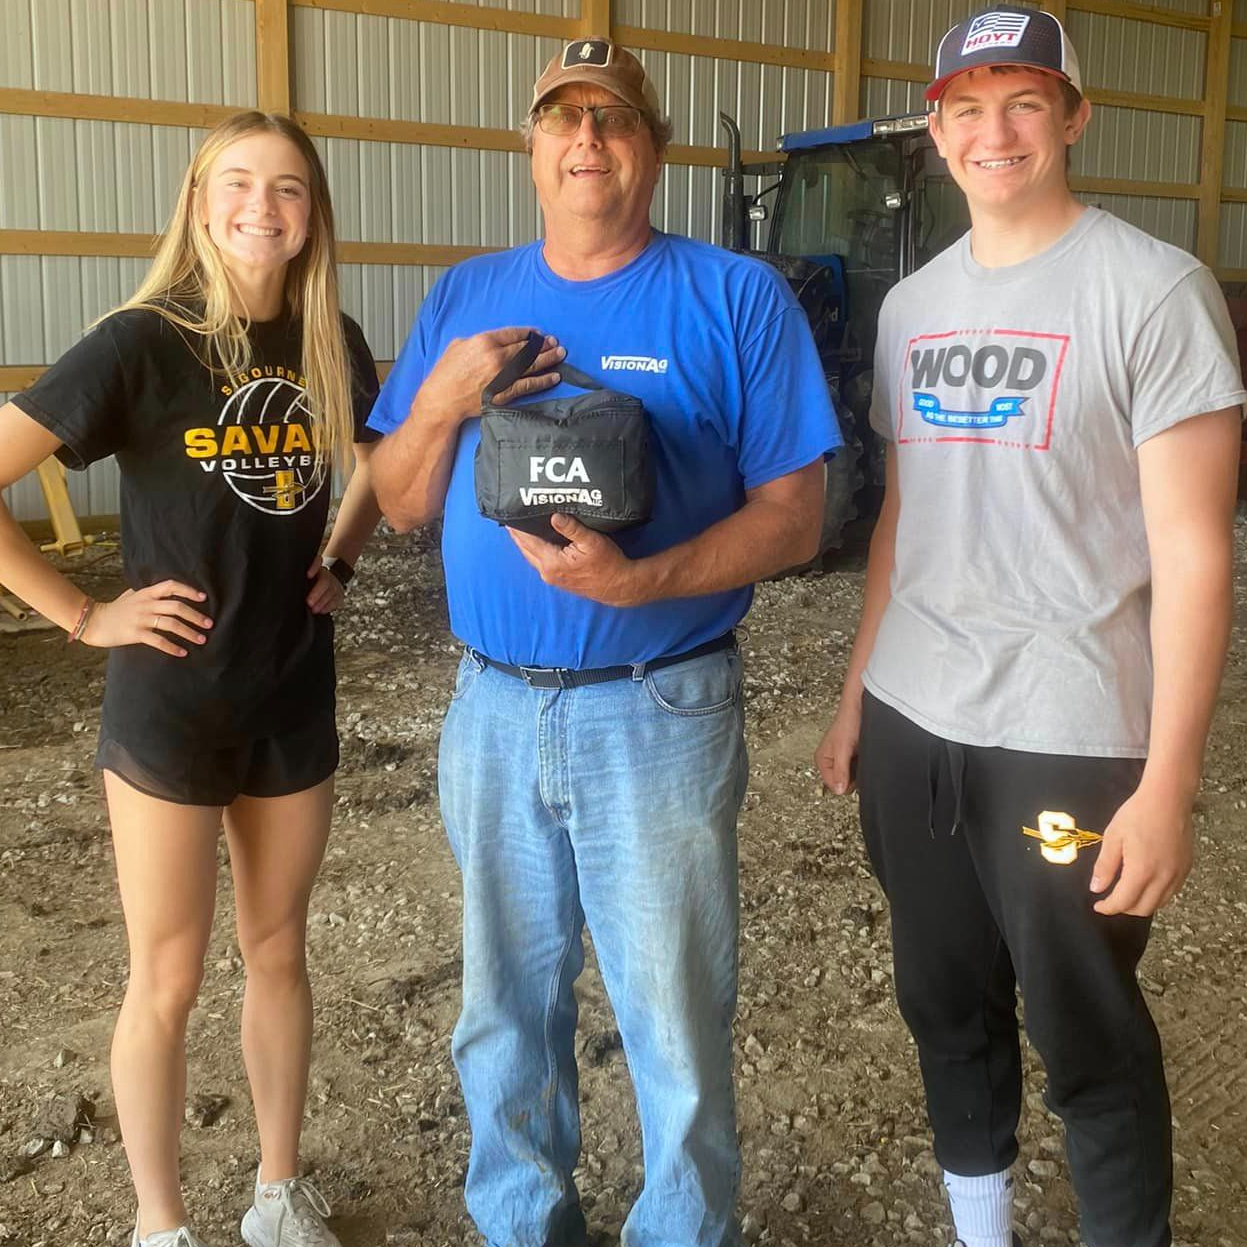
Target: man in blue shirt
<point>592,760</point>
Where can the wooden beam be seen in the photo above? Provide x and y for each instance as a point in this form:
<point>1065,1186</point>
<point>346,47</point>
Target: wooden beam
<point>847,89</point>
<point>1234,195</point>
<point>1128,186</point>
<point>17,377</point>
<point>76,243</point>
<point>904,71</point>
<point>1146,103</point>
<point>1212,156</point>
<point>409,253</point>
<point>446,13</point>
<point>597,18</point>
<point>1232,274</point>
<point>272,55</point>
<point>1238,30</point>
<point>725,49</point>
<point>1142,13</point>
<point>26,103</point>
<point>378,129</point>
<point>1057,8</point>
<point>1236,112</point>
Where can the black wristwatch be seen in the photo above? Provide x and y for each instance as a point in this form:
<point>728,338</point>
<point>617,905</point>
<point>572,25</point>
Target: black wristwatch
<point>340,569</point>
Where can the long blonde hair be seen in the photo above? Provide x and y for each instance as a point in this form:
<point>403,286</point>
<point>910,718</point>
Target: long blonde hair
<point>189,285</point>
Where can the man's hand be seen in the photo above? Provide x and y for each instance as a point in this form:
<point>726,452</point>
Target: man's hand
<point>468,365</point>
<point>1147,849</point>
<point>837,751</point>
<point>592,566</point>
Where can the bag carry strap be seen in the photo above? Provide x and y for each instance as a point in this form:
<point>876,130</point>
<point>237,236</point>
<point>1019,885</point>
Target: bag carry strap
<point>523,360</point>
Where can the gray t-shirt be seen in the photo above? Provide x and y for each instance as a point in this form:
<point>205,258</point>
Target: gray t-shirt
<point>1015,399</point>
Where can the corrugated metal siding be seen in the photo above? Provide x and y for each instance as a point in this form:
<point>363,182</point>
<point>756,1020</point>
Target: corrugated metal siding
<point>788,23</point>
<point>910,30</point>
<point>1240,10</point>
<point>547,8</point>
<point>1117,54</point>
<point>1232,251</point>
<point>201,51</point>
<point>1173,220</point>
<point>1238,71</point>
<point>1236,155</point>
<point>91,175</point>
<point>883,97</point>
<point>766,100</point>
<point>1149,147</point>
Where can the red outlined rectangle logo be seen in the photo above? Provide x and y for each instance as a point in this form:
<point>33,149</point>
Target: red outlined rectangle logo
<point>994,387</point>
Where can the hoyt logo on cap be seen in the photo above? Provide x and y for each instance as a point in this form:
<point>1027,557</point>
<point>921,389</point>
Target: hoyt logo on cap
<point>1005,35</point>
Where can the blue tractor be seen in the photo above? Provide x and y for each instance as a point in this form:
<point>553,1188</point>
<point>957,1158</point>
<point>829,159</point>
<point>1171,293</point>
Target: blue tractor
<point>854,208</point>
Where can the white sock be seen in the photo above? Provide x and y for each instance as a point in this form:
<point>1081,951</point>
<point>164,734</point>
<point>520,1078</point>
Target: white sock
<point>982,1208</point>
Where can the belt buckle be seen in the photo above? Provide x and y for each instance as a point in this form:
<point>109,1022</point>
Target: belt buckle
<point>527,674</point>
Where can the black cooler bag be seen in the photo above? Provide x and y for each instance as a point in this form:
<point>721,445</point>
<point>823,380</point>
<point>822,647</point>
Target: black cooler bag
<point>587,456</point>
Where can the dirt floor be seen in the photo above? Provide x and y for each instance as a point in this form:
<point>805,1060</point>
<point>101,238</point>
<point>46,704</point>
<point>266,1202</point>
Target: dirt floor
<point>835,1139</point>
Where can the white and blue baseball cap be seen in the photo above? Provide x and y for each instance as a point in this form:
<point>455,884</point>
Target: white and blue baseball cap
<point>1005,35</point>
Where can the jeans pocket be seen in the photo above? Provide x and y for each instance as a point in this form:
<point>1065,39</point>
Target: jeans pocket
<point>701,686</point>
<point>469,669</point>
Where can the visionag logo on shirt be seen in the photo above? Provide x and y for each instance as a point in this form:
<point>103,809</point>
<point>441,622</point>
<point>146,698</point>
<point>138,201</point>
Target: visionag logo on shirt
<point>264,442</point>
<point>994,386</point>
<point>633,363</point>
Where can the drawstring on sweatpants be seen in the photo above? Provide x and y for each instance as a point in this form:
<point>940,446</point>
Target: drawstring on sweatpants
<point>955,755</point>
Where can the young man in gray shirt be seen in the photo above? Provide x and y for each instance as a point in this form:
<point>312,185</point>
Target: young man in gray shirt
<point>1046,616</point>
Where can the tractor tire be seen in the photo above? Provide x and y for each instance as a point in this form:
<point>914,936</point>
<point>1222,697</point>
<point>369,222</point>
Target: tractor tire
<point>845,478</point>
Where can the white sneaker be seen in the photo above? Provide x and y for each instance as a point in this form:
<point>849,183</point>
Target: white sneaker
<point>288,1214</point>
<point>181,1237</point>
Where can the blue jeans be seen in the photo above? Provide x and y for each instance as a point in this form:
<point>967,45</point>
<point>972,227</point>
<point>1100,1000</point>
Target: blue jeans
<point>613,805</point>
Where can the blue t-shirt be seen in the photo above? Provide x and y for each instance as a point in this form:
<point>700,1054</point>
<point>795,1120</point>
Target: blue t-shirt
<point>719,351</point>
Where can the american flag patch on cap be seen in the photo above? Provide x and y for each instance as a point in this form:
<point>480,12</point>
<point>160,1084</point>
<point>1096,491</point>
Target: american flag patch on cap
<point>995,30</point>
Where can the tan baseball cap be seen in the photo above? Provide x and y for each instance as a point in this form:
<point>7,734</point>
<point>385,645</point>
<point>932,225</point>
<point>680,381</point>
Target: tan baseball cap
<point>604,64</point>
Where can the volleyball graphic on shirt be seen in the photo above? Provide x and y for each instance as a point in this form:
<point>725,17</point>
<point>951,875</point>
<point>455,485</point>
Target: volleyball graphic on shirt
<point>264,444</point>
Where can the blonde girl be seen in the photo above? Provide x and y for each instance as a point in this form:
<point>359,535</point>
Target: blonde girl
<point>227,388</point>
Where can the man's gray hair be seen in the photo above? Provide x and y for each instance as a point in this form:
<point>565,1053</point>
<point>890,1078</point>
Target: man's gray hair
<point>660,129</point>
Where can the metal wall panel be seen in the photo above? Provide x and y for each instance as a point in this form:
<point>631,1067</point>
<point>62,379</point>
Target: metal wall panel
<point>1232,252</point>
<point>403,70</point>
<point>190,50</point>
<point>1148,147</point>
<point>547,8</point>
<point>766,100</point>
<point>91,175</point>
<point>909,30</point>
<point>1117,54</point>
<point>787,23</point>
<point>1238,71</point>
<point>1236,155</point>
<point>1172,220</point>
<point>884,97</point>
<point>1240,10</point>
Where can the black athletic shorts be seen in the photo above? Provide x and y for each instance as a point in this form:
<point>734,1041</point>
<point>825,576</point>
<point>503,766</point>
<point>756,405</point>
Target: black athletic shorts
<point>274,766</point>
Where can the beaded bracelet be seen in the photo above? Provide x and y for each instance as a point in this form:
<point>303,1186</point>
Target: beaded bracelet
<point>84,617</point>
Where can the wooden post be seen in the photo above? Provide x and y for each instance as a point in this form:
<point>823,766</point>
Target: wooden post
<point>596,17</point>
<point>1212,161</point>
<point>1056,8</point>
<point>272,55</point>
<point>847,97</point>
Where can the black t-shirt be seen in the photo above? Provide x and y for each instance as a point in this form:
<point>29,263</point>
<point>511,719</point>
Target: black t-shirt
<point>220,489</point>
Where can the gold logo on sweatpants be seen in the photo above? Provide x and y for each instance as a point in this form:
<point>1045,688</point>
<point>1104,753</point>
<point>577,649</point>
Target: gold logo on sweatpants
<point>1061,836</point>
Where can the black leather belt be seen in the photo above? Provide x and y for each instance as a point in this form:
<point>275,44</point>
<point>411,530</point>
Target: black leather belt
<point>569,677</point>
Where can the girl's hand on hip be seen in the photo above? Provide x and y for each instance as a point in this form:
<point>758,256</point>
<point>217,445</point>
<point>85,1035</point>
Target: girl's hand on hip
<point>152,616</point>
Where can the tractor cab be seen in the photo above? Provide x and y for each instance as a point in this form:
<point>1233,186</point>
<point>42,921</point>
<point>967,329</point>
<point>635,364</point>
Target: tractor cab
<point>856,208</point>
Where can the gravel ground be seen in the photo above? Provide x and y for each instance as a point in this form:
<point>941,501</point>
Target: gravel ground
<point>834,1134</point>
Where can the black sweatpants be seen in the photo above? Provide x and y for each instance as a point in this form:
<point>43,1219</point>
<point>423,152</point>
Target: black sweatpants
<point>977,910</point>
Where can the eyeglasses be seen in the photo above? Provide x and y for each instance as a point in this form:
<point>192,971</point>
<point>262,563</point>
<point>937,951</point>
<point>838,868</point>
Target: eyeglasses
<point>615,121</point>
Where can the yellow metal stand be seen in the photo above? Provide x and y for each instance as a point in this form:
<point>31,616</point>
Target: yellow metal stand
<point>68,536</point>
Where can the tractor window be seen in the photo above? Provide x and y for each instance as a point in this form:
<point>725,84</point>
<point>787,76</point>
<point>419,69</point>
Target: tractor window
<point>833,204</point>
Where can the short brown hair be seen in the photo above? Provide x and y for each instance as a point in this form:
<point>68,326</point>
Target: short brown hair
<point>1069,93</point>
